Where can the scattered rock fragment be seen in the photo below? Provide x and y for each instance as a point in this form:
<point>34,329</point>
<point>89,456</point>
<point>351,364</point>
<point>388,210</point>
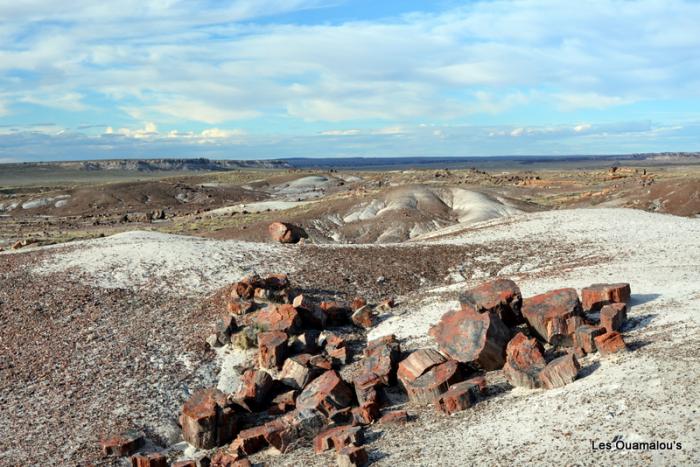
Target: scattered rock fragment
<point>560,372</point>
<point>225,327</point>
<point>524,362</point>
<point>584,337</point>
<point>394,417</point>
<point>284,232</point>
<point>458,397</point>
<point>609,343</point>
<point>613,316</point>
<point>429,386</point>
<point>254,390</point>
<point>283,318</point>
<point>297,371</point>
<point>154,459</point>
<point>363,317</point>
<point>272,349</point>
<point>500,296</point>
<point>471,337</point>
<point>123,444</point>
<point>338,438</point>
<point>418,363</point>
<point>365,414</point>
<point>558,305</point>
<point>311,314</point>
<point>327,394</point>
<point>207,420</point>
<point>352,456</point>
<point>597,295</point>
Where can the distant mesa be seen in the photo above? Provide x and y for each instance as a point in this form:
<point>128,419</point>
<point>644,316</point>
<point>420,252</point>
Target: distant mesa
<point>155,165</point>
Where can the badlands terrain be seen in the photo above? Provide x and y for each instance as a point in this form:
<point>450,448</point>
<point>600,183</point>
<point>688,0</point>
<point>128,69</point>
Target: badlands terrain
<point>112,289</point>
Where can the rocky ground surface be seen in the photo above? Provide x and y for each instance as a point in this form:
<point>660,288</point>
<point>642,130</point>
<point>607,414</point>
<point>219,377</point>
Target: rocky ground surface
<point>109,334</point>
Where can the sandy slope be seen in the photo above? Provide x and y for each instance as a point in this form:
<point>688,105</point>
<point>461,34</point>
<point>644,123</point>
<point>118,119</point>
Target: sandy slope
<point>648,394</point>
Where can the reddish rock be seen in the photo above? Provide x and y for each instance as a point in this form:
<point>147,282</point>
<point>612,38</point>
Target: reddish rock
<point>352,456</point>
<point>597,295</point>
<point>366,384</point>
<point>207,420</point>
<point>253,439</point>
<point>286,233</point>
<point>389,339</point>
<point>337,313</point>
<point>284,402</point>
<point>245,288</point>
<point>458,397</point>
<point>286,432</point>
<point>609,343</point>
<point>365,414</point>
<point>276,282</point>
<point>559,304</point>
<point>429,386</point>
<point>558,332</point>
<point>393,416</point>
<point>386,304</point>
<point>123,444</point>
<point>224,328</point>
<point>560,372</point>
<point>327,393</point>
<point>240,307</point>
<point>357,303</point>
<point>339,356</point>
<point>338,437</point>
<point>363,317</point>
<point>283,318</point>
<point>418,363</point>
<point>500,296</point>
<point>613,316</point>
<point>254,390</point>
<point>154,459</point>
<point>225,458</point>
<point>382,359</point>
<point>524,362</point>
<point>189,463</point>
<point>573,323</point>
<point>471,337</point>
<point>297,373</point>
<point>479,382</point>
<point>321,362</point>
<point>272,349</point>
<point>311,314</point>
<point>584,337</point>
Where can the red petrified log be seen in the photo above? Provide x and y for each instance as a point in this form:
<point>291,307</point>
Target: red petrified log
<point>609,343</point>
<point>597,295</point>
<point>559,305</point>
<point>560,372</point>
<point>327,393</point>
<point>500,296</point>
<point>272,349</point>
<point>418,363</point>
<point>426,388</point>
<point>123,444</point>
<point>613,316</point>
<point>524,362</point>
<point>471,337</point>
<point>207,420</point>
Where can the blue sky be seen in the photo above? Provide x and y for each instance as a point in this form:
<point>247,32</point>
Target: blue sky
<point>295,78</point>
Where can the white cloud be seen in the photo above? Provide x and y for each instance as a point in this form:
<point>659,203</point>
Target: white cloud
<point>340,132</point>
<point>173,62</point>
